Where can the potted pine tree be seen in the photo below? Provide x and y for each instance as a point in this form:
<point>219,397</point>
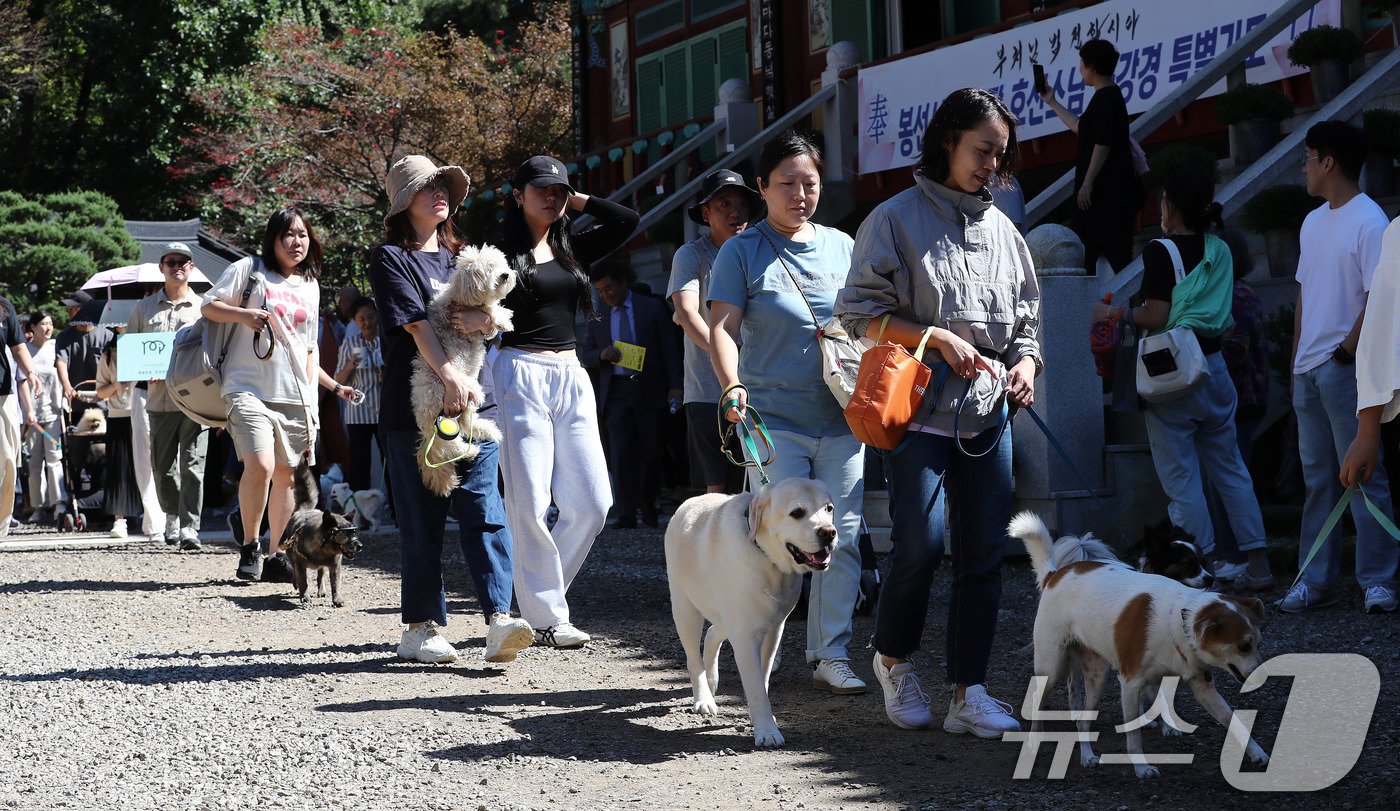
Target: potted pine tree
<point>1277,213</point>
<point>1382,128</point>
<point>1254,113</point>
<point>1326,52</point>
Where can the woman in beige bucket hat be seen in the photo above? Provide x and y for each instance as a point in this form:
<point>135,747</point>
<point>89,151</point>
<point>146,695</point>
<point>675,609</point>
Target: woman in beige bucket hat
<point>411,265</point>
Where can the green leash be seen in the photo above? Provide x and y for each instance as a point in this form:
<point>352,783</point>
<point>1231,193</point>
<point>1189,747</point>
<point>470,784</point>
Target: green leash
<point>746,436</point>
<point>1336,516</point>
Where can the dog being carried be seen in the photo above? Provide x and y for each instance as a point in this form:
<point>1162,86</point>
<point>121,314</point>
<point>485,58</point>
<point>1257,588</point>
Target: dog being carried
<point>1098,610</point>
<point>316,538</point>
<point>481,280</point>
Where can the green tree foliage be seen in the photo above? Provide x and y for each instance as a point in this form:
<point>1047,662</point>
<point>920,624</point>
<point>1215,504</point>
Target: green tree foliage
<point>109,109</point>
<point>51,244</point>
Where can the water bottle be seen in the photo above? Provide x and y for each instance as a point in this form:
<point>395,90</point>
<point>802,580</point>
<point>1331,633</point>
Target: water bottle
<point>675,406</point>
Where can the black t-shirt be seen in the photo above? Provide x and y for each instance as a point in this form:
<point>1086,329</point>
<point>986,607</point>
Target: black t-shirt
<point>11,335</point>
<point>544,305</point>
<point>1105,123</point>
<point>81,351</point>
<point>1159,274</point>
<point>404,282</point>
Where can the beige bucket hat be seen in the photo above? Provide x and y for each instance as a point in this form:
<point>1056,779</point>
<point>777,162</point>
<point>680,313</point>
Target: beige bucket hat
<point>411,173</point>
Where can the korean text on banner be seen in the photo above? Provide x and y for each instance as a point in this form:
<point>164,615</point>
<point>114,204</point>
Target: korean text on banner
<point>1161,44</point>
<point>143,356</point>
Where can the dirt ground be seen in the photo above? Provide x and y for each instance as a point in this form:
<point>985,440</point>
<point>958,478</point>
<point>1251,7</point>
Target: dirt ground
<point>140,677</point>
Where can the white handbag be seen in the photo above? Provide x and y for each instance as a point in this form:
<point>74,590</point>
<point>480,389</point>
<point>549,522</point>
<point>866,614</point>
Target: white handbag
<point>1170,364</point>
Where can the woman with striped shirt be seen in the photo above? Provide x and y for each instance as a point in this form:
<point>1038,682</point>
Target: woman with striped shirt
<point>361,368</point>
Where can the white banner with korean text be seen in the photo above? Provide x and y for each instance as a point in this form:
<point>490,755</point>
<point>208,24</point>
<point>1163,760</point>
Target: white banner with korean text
<point>1162,44</point>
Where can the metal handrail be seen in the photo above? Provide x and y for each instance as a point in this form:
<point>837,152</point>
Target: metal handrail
<point>676,155</point>
<point>1379,79</point>
<point>749,147</point>
<point>1188,92</point>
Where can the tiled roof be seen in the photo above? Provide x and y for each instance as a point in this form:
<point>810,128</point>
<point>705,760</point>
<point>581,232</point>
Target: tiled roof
<point>211,254</point>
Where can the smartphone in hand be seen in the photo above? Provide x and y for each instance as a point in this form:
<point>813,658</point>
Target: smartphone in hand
<point>1041,85</point>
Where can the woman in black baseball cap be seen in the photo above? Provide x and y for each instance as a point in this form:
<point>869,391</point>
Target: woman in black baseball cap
<point>552,450</point>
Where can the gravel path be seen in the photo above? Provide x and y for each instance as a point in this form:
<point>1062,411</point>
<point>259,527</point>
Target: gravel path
<point>138,677</point>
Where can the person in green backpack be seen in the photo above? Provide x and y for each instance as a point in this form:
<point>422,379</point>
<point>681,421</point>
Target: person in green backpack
<point>1196,431</point>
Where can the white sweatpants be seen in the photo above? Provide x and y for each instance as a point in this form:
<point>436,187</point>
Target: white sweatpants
<point>153,517</point>
<point>551,451</point>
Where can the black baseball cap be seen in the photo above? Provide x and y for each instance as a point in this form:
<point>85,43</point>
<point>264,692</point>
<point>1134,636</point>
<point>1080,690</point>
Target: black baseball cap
<point>542,170</point>
<point>77,299</point>
<point>717,181</point>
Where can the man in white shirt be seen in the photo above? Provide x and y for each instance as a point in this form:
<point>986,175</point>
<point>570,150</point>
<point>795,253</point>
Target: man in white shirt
<point>1341,245</point>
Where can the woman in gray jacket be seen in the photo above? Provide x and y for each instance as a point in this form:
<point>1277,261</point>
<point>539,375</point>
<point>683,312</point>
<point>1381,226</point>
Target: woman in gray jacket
<point>940,258</point>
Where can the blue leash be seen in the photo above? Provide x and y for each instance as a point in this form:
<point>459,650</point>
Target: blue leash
<point>1083,482</point>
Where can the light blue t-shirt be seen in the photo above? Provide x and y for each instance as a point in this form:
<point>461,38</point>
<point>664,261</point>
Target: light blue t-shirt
<point>779,361</point>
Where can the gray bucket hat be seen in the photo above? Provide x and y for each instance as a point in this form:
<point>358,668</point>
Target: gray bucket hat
<point>411,173</point>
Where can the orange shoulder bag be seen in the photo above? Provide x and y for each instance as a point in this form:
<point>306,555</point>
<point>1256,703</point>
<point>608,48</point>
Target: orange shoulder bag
<point>889,390</point>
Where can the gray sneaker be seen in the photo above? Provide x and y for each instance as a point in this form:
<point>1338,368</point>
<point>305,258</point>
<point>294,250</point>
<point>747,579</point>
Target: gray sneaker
<point>1303,597</point>
<point>189,540</point>
<point>906,703</point>
<point>1380,599</point>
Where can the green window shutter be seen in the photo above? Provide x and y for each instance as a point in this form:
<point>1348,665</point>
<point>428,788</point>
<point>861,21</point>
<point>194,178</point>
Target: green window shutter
<point>972,14</point>
<point>734,53</point>
<point>850,19</point>
<point>703,84</point>
<point>677,87</point>
<point>649,99</point>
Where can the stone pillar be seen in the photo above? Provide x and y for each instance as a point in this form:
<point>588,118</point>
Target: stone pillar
<point>1068,394</point>
<point>839,132</point>
<point>737,110</point>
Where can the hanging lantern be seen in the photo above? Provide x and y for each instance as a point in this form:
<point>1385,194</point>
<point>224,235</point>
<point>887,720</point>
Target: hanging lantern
<point>594,161</point>
<point>690,130</point>
<point>639,147</point>
<point>615,154</point>
<point>666,138</point>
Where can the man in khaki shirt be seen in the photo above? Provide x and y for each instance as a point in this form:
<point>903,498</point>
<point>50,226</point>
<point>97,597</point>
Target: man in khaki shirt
<point>175,438</point>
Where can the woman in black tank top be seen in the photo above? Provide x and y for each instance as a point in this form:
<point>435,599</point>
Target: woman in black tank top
<point>552,452</point>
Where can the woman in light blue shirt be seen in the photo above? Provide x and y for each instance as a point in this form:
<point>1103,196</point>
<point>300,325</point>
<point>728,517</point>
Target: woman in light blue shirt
<point>769,288</point>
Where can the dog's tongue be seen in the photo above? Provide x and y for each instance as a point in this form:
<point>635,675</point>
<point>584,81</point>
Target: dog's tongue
<point>818,559</point>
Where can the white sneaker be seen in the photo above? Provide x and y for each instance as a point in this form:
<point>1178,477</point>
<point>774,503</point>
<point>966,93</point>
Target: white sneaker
<point>156,537</point>
<point>836,676</point>
<point>906,703</point>
<point>426,644</point>
<point>172,529</point>
<point>1380,599</point>
<point>507,637</point>
<point>1230,571</point>
<point>979,714</point>
<point>563,635</point>
<point>118,529</point>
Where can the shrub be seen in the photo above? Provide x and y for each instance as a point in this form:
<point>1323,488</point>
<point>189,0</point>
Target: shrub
<point>1281,207</point>
<point>1317,45</point>
<point>1172,158</point>
<point>1250,101</point>
<point>1382,128</point>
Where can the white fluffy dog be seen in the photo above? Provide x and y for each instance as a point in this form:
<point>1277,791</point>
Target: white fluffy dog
<point>738,562</point>
<point>482,278</point>
<point>361,506</point>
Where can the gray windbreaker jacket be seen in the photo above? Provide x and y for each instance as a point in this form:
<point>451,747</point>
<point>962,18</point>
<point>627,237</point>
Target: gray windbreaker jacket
<point>944,258</point>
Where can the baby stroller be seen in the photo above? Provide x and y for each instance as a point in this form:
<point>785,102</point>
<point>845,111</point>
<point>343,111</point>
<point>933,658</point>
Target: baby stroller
<point>70,517</point>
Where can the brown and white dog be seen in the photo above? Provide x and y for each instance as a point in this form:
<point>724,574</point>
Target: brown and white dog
<point>1147,627</point>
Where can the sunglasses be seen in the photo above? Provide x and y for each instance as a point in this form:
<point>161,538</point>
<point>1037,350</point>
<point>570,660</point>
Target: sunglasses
<point>175,263</point>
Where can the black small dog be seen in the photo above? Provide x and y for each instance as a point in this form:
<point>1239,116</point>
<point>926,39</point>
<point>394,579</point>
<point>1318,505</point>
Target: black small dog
<point>317,538</point>
<point>1170,551</point>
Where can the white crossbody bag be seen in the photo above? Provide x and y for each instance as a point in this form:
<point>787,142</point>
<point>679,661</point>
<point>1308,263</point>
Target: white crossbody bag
<point>1170,364</point>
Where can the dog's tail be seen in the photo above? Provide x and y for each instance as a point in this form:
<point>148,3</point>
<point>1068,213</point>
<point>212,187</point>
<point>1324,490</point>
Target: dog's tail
<point>1031,530</point>
<point>305,487</point>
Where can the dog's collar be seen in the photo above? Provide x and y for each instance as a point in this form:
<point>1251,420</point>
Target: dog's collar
<point>1185,634</point>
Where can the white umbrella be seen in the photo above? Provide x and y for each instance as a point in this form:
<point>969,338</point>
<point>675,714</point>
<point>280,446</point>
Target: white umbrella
<point>136,276</point>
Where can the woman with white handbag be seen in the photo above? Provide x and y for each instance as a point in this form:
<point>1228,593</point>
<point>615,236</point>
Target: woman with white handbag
<point>1187,289</point>
<point>772,289</point>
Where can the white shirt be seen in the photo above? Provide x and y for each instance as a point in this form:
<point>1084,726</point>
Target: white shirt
<point>1340,249</point>
<point>1378,353</point>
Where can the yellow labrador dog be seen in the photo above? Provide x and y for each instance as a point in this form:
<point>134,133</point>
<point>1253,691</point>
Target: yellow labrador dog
<point>738,562</point>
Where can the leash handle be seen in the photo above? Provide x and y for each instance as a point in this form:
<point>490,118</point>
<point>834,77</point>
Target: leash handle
<point>750,447</point>
<point>471,439</point>
<point>1331,524</point>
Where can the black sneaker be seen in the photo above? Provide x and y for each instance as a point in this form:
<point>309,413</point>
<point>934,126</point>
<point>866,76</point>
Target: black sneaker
<point>277,569</point>
<point>235,525</point>
<point>250,563</point>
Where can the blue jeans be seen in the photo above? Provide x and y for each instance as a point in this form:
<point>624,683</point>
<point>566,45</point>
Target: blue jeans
<point>481,524</point>
<point>1226,547</point>
<point>1324,400</point>
<point>975,497</point>
<point>839,463</point>
<point>1195,433</point>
